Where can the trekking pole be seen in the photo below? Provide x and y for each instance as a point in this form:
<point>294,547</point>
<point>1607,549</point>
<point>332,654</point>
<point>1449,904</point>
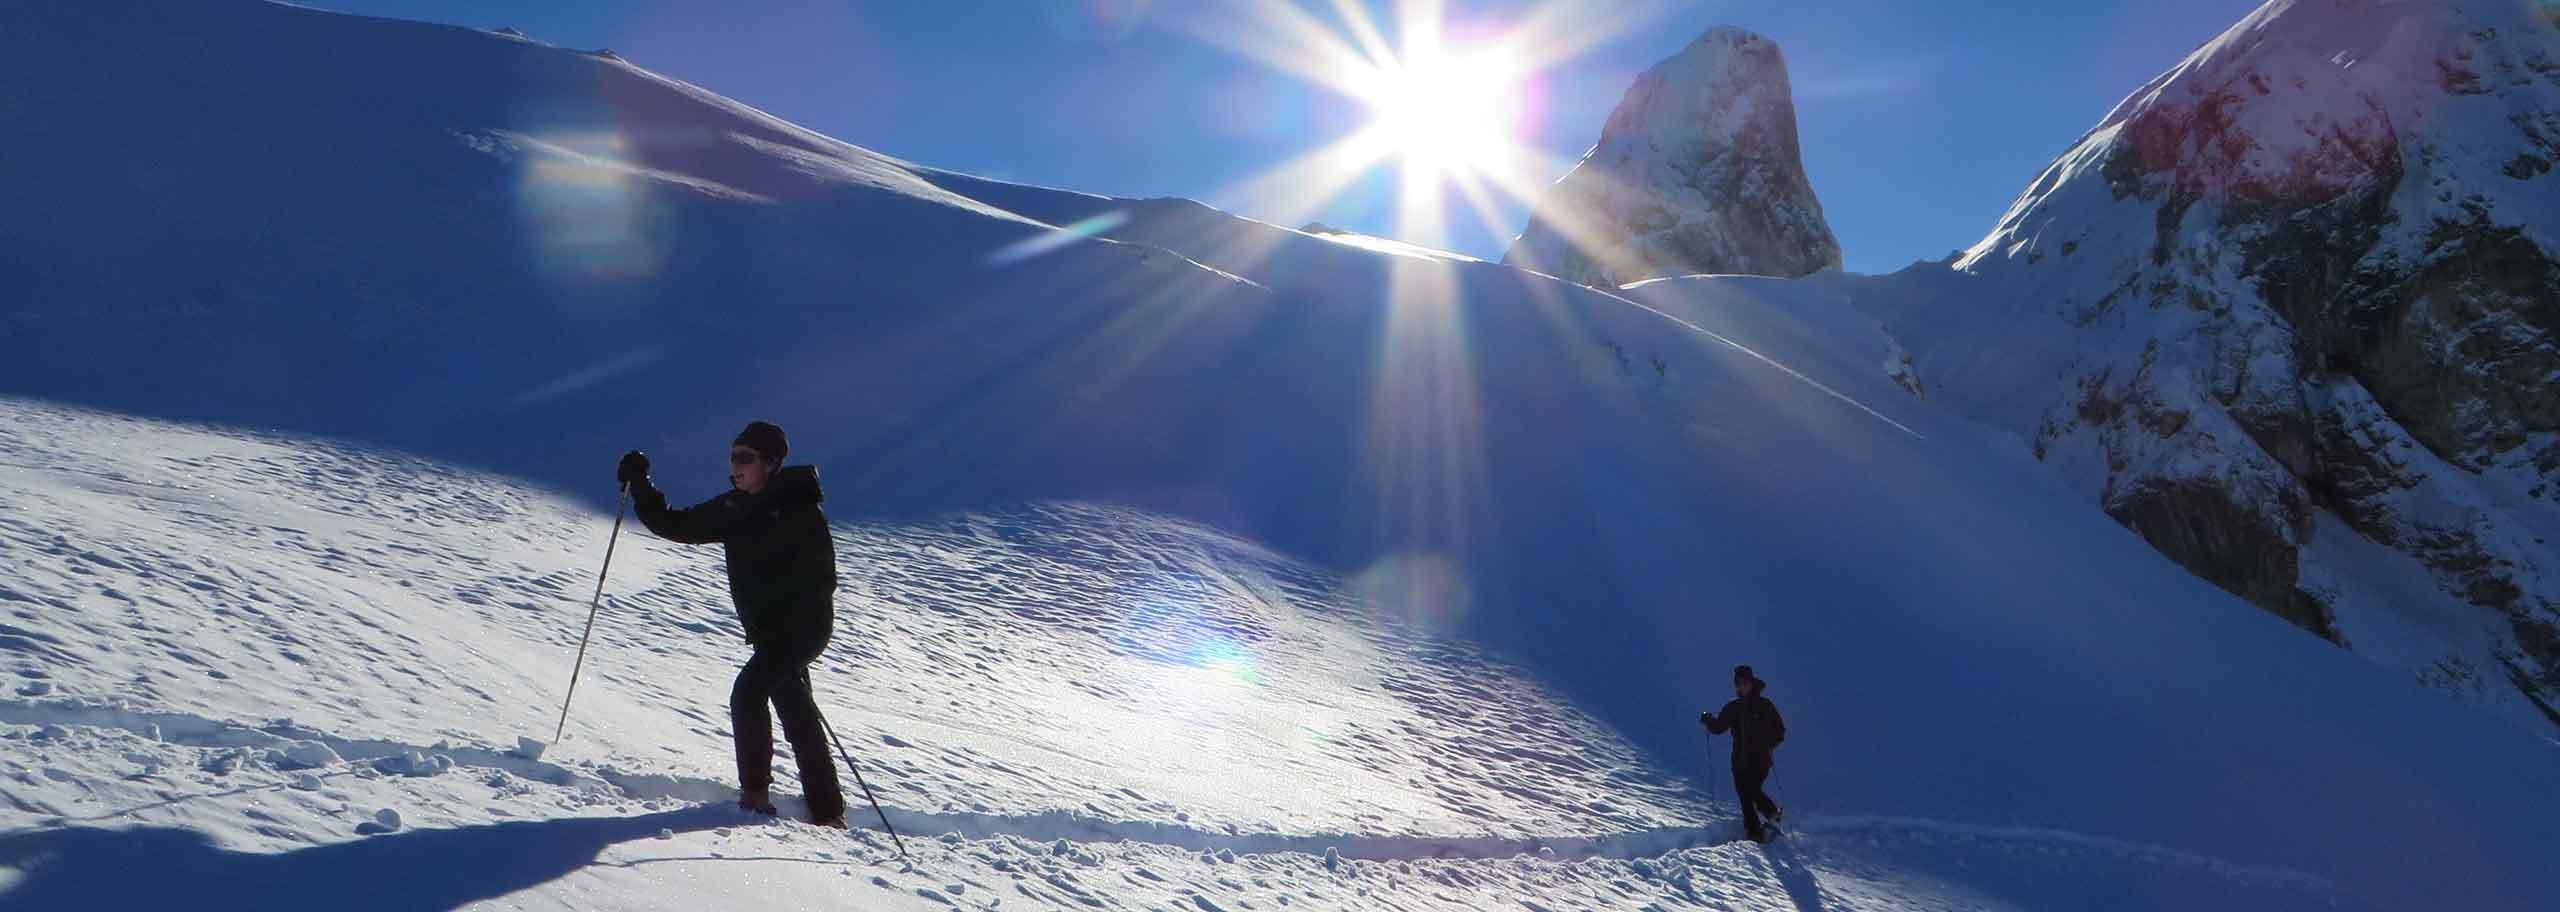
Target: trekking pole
<point>1711,770</point>
<point>611,539</point>
<point>857,773</point>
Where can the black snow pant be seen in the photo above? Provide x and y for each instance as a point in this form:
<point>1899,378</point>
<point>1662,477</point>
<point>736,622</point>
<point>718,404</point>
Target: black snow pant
<point>1748,775</point>
<point>779,674</point>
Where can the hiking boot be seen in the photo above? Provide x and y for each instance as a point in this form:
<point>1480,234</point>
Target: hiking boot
<point>756,801</point>
<point>833,823</point>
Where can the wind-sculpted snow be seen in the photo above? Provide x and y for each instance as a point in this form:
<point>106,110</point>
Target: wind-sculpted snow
<point>1166,527</point>
<point>129,821</point>
<point>1064,684</point>
<point>1067,686</point>
<point>1045,649</point>
<point>222,827</point>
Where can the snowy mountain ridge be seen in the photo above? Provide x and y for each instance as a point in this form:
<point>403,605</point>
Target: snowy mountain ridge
<point>1188,561</point>
<point>2284,312</point>
<point>2290,304</point>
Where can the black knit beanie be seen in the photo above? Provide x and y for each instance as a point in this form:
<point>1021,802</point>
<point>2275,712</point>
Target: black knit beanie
<point>766,439</point>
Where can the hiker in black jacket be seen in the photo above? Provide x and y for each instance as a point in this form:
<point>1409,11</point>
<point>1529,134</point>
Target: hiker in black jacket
<point>1757,731</point>
<point>782,577</point>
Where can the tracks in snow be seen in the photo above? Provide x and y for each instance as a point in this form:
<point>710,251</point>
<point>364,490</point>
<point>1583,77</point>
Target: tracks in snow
<point>1046,826</point>
<point>1051,826</point>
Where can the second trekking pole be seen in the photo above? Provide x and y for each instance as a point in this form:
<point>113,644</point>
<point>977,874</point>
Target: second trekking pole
<point>857,773</point>
<point>611,538</point>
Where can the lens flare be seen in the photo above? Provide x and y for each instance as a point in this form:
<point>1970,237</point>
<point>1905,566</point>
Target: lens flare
<point>585,378</point>
<point>1100,21</point>
<point>1228,662</point>
<point>1048,241</point>
<point>591,215</point>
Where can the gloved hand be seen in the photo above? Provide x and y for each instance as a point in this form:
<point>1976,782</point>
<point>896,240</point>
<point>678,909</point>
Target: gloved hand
<point>634,470</point>
<point>1707,718</point>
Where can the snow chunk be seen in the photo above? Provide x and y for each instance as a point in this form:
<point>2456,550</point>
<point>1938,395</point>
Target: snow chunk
<point>414,764</point>
<point>302,755</point>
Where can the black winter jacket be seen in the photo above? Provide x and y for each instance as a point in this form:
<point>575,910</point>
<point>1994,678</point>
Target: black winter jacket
<point>782,558</point>
<point>1757,728</point>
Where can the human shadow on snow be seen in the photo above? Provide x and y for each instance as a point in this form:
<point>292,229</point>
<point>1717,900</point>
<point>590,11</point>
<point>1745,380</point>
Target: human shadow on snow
<point>418,870</point>
<point>1795,875</point>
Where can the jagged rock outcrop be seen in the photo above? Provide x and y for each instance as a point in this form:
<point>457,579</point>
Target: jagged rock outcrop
<point>2307,284</point>
<point>1697,171</point>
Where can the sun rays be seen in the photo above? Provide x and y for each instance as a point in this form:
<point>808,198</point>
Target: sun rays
<point>1448,104</point>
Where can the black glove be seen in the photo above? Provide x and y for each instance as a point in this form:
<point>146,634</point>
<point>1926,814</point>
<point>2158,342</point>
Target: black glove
<point>634,470</point>
<point>1707,718</point>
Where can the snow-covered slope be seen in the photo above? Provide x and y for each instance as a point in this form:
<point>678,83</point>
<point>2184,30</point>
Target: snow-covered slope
<point>266,672</point>
<point>1166,572</point>
<point>1697,171</point>
<point>2288,313</point>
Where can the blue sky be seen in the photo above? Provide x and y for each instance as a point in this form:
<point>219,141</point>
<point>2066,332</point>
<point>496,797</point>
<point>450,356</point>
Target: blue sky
<point>1920,121</point>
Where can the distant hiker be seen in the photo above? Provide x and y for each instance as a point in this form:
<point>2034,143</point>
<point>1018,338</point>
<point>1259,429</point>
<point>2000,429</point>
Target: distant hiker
<point>782,577</point>
<point>1757,731</point>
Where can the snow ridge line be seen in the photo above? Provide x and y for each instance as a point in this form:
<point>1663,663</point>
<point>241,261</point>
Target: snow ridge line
<point>1046,826</point>
<point>1765,359</point>
<point>2156,854</point>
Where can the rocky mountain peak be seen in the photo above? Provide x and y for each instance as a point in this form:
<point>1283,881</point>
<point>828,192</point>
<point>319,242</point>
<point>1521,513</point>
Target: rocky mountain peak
<point>1696,171</point>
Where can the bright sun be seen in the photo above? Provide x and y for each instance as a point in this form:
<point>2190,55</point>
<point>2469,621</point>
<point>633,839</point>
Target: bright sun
<point>1449,102</point>
<point>1449,113</point>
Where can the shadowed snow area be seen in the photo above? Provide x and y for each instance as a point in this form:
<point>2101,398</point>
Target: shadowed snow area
<point>1275,571</point>
<point>1057,704</point>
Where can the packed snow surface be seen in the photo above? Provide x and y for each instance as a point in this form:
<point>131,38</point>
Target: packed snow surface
<point>282,673</point>
<point>1188,561</point>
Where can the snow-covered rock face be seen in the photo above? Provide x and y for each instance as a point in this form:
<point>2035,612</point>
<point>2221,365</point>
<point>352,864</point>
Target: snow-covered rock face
<point>1284,570</point>
<point>1697,171</point>
<point>2312,276</point>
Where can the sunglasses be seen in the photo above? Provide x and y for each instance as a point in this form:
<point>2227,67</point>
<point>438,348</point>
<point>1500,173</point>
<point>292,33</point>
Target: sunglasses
<point>742,457</point>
